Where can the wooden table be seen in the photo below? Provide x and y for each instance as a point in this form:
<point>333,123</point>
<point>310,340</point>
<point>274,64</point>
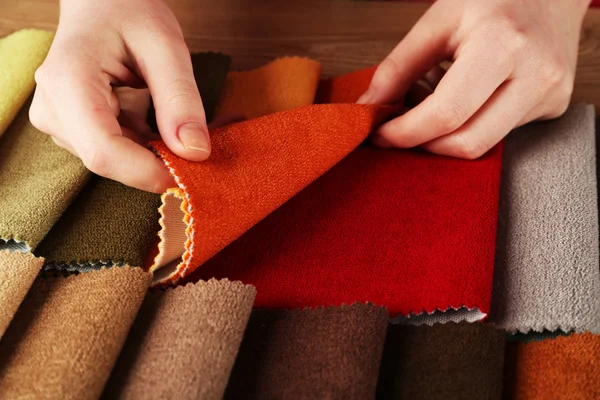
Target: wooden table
<point>343,35</point>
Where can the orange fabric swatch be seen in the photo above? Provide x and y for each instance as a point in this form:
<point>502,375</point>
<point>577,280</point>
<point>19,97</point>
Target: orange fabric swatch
<point>567,367</point>
<point>280,85</point>
<point>254,168</point>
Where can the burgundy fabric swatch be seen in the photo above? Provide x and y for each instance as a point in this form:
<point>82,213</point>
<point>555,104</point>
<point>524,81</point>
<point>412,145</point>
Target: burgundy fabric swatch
<point>403,229</point>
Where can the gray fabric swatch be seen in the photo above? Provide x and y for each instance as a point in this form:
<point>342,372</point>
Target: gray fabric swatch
<point>547,274</point>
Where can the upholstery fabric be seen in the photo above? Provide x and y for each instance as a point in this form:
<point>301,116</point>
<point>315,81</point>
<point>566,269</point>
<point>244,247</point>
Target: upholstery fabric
<point>183,343</point>
<point>323,353</point>
<point>67,335</point>
<point>17,273</point>
<point>21,53</point>
<point>547,264</point>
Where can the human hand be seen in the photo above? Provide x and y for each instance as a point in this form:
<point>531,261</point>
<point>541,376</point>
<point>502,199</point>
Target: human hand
<point>514,62</point>
<point>102,45</point>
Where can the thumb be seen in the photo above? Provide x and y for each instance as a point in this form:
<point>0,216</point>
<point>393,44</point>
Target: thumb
<point>167,70</point>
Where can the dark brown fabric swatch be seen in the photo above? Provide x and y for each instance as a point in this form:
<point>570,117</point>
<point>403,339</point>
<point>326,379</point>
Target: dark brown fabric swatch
<point>443,361</point>
<point>68,332</point>
<point>323,353</point>
<point>210,72</point>
<point>107,223</point>
<point>183,343</point>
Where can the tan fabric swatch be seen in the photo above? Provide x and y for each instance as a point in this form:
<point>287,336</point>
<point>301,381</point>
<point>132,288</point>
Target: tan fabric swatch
<point>183,343</point>
<point>323,353</point>
<point>444,361</point>
<point>109,222</point>
<point>38,180</point>
<point>67,335</point>
<point>17,273</point>
<point>21,53</point>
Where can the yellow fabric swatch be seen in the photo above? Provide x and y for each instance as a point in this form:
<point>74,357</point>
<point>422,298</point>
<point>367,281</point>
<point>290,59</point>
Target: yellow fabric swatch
<point>21,53</point>
<point>280,85</point>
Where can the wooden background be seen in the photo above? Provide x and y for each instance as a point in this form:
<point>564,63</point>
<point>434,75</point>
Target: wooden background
<point>343,35</point>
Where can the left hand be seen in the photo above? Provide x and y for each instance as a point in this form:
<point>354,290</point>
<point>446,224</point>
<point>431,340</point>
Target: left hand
<point>514,62</point>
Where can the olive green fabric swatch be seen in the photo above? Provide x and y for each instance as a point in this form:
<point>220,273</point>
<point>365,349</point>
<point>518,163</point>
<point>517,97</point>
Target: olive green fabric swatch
<point>183,343</point>
<point>38,180</point>
<point>17,273</point>
<point>68,332</point>
<point>210,72</point>
<point>108,223</point>
<point>443,361</point>
<point>321,353</point>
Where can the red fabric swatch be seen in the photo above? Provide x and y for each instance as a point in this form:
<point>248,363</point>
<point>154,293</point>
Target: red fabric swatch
<point>255,167</point>
<point>403,229</point>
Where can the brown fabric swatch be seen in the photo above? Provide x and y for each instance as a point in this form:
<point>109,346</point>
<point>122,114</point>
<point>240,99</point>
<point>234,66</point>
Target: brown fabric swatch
<point>183,343</point>
<point>566,368</point>
<point>323,353</point>
<point>38,180</point>
<point>68,332</point>
<point>210,72</point>
<point>443,361</point>
<point>108,223</point>
<point>17,273</point>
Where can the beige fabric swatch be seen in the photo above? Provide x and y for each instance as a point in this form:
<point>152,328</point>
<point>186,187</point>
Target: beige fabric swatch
<point>67,335</point>
<point>17,273</point>
<point>183,343</point>
<point>38,180</point>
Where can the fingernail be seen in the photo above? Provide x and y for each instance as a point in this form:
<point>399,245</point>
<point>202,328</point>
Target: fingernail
<point>381,142</point>
<point>194,137</point>
<point>365,98</point>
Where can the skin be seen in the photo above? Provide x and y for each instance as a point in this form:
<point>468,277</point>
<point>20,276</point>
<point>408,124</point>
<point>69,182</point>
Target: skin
<point>513,62</point>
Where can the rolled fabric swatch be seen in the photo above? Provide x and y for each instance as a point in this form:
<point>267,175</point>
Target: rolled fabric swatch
<point>67,334</point>
<point>566,367</point>
<point>210,72</point>
<point>282,84</point>
<point>183,343</point>
<point>404,229</point>
<point>255,167</point>
<point>38,180</point>
<point>547,265</point>
<point>21,53</point>
<point>445,361</point>
<point>17,273</point>
<point>108,223</point>
<point>324,353</point>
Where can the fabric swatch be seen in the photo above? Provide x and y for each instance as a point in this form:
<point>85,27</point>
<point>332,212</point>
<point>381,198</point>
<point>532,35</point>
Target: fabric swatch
<point>38,180</point>
<point>407,230</point>
<point>21,53</point>
<point>65,338</point>
<point>17,273</point>
<point>210,72</point>
<point>183,343</point>
<point>345,88</point>
<point>280,85</point>
<point>255,167</point>
<point>107,223</point>
<point>563,368</point>
<point>324,353</point>
<point>547,265</point>
<point>449,361</point>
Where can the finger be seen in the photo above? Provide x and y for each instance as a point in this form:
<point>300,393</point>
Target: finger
<point>493,121</point>
<point>423,47</point>
<point>434,76</point>
<point>167,69</point>
<point>93,131</point>
<point>64,145</point>
<point>467,85</point>
<point>132,121</point>
<point>417,93</point>
<point>134,100</point>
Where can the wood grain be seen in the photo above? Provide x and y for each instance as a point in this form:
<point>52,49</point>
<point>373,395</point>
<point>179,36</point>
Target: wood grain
<point>343,35</point>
